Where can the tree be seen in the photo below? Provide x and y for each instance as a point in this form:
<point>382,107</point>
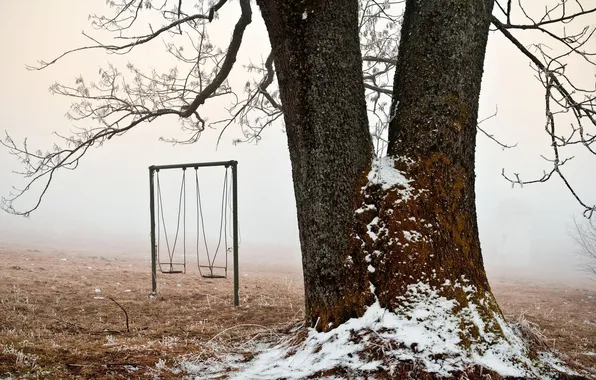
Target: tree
<point>397,232</point>
<point>584,235</point>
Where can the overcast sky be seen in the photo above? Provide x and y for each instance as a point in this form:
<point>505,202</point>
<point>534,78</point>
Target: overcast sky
<point>104,203</point>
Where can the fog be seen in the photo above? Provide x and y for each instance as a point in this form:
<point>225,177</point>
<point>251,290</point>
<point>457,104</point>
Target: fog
<point>104,204</point>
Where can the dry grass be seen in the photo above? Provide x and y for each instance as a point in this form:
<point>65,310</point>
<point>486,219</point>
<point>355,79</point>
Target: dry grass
<point>563,318</point>
<point>54,324</point>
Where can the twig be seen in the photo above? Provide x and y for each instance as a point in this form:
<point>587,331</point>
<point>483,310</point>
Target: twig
<point>503,145</point>
<point>124,310</point>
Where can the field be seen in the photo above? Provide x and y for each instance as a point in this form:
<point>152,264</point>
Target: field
<point>73,315</point>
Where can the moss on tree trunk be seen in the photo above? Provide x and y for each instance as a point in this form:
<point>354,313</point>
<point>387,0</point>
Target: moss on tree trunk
<point>436,94</point>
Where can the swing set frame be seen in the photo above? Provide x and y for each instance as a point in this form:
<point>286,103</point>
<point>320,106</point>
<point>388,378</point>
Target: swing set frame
<point>154,259</point>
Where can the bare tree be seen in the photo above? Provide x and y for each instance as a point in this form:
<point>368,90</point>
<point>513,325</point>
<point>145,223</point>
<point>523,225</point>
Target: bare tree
<point>380,229</point>
<point>584,234</point>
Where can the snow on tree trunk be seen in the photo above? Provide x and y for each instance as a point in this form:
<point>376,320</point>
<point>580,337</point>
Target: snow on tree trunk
<point>431,231</point>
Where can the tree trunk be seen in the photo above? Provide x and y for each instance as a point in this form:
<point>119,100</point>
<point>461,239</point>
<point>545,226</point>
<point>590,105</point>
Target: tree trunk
<point>398,233</point>
<point>319,69</point>
<point>363,241</point>
<point>433,135</point>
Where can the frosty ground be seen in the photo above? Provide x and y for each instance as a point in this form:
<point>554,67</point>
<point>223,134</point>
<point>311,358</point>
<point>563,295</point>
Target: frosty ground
<point>57,318</point>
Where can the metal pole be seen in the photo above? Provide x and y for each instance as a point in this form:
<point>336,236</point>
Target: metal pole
<point>235,226</point>
<point>153,246</point>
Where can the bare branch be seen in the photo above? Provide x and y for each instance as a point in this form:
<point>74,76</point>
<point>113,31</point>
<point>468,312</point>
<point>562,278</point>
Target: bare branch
<point>125,47</point>
<point>139,40</point>
<point>119,107</point>
<point>492,137</point>
<point>119,102</point>
<point>123,310</point>
<point>386,91</point>
<point>241,109</point>
<point>369,58</point>
<point>544,22</point>
<point>561,96</point>
<point>229,61</point>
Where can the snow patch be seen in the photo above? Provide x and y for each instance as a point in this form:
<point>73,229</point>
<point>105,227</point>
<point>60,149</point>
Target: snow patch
<point>425,327</point>
<point>365,208</point>
<point>383,172</point>
<point>412,236</point>
<point>369,227</point>
<point>554,362</point>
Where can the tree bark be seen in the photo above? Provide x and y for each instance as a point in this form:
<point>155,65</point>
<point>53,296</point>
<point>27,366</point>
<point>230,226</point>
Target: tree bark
<point>319,69</point>
<point>433,132</point>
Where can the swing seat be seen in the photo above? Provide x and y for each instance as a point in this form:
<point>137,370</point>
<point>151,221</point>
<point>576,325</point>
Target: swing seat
<point>172,268</point>
<point>213,276</point>
<point>211,273</point>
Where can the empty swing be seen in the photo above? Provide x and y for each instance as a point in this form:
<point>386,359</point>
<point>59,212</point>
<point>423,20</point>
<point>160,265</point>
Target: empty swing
<point>210,263</point>
<point>210,266</point>
<point>171,267</point>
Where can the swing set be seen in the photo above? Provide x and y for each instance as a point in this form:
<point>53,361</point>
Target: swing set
<point>208,268</point>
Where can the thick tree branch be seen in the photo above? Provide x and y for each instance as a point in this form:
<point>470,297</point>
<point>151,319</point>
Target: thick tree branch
<point>267,82</point>
<point>369,58</point>
<point>229,61</point>
<point>386,91</point>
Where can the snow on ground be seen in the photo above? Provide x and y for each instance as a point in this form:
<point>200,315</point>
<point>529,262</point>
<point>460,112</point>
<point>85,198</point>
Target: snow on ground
<point>425,331</point>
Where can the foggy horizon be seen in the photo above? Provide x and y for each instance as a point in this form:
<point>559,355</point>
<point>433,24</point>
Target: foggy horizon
<point>104,204</point>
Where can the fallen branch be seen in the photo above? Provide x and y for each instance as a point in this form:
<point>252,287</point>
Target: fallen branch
<point>124,310</point>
